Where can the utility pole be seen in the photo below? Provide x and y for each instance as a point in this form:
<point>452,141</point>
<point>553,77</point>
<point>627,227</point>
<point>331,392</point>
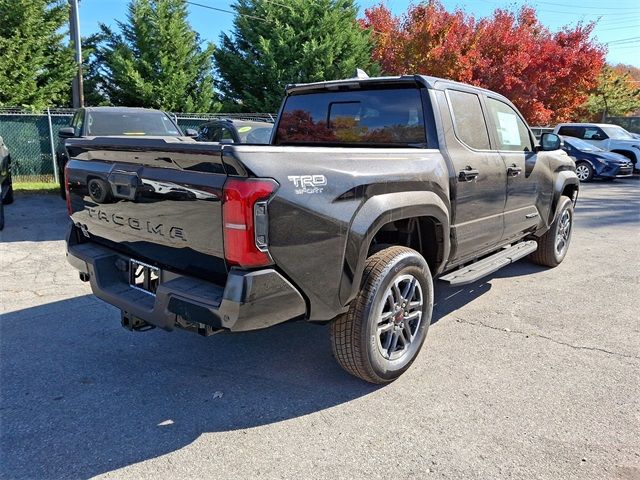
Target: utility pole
<point>74,33</point>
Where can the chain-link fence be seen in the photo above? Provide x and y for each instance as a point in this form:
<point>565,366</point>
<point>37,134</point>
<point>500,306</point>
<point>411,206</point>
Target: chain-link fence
<point>32,138</point>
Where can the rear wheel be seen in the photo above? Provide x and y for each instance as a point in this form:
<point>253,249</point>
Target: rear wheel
<point>584,172</point>
<point>382,333</point>
<point>554,244</point>
<point>63,191</point>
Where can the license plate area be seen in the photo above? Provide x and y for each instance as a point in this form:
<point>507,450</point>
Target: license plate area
<point>144,277</point>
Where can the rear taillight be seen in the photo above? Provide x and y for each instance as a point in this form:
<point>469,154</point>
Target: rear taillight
<point>66,188</point>
<point>243,203</point>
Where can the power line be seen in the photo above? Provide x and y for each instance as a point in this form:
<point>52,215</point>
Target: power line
<point>226,11</point>
<point>564,12</point>
<point>623,40</point>
<point>635,9</point>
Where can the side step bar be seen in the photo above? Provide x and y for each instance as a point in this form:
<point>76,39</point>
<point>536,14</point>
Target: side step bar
<point>486,266</point>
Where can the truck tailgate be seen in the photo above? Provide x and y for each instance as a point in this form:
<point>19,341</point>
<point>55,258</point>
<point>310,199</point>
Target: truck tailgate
<point>153,199</point>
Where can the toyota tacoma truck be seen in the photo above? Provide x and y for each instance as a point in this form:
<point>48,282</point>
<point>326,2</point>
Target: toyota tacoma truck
<point>369,190</point>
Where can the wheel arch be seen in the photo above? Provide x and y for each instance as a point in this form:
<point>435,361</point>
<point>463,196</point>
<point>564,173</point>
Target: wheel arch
<point>566,184</point>
<point>631,155</point>
<point>400,208</point>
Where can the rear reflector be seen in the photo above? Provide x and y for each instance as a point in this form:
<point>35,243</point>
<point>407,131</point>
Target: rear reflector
<point>66,188</point>
<point>239,199</point>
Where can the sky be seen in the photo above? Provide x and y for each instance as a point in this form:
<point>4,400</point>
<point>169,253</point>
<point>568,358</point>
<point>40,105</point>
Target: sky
<point>618,23</point>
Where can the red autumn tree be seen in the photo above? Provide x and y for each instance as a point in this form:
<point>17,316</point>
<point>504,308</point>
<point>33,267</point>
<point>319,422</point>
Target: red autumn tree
<point>546,75</point>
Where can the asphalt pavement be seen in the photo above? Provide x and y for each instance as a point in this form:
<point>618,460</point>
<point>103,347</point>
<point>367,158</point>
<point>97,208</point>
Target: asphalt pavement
<point>530,373</point>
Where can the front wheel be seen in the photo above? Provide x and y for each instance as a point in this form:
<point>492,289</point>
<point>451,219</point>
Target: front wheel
<point>554,244</point>
<point>584,171</point>
<point>381,335</point>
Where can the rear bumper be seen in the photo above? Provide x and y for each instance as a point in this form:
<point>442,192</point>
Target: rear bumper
<point>248,301</point>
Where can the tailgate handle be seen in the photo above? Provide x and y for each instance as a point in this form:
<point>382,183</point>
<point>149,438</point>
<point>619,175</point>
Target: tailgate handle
<point>124,185</point>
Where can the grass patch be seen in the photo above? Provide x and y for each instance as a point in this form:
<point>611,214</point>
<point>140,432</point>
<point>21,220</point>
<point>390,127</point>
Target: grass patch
<point>36,187</point>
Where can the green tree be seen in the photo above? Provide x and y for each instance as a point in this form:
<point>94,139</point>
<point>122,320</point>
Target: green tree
<point>156,60</point>
<point>290,41</point>
<point>94,91</point>
<point>615,95</point>
<point>36,64</point>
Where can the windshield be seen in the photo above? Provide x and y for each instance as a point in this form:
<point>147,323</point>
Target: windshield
<point>254,132</point>
<point>388,117</point>
<point>581,145</point>
<point>617,133</point>
<point>130,123</point>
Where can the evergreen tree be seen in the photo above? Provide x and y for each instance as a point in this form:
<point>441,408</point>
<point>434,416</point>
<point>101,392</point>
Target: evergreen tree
<point>289,41</point>
<point>36,64</point>
<point>156,61</point>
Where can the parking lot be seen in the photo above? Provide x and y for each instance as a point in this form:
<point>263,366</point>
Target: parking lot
<point>531,373</point>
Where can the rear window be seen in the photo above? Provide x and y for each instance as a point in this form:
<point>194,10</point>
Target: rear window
<point>130,123</point>
<point>390,117</point>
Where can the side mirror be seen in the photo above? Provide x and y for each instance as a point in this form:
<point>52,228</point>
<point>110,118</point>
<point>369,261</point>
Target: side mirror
<point>67,132</point>
<point>549,142</point>
<point>190,132</point>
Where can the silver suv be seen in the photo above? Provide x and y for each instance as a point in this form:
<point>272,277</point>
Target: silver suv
<point>612,138</point>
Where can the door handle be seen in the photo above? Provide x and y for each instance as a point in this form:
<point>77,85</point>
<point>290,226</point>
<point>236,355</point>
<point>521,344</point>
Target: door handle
<point>513,170</point>
<point>468,174</point>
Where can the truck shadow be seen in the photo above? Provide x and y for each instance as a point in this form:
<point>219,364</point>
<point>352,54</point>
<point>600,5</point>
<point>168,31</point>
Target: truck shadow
<point>81,396</point>
<point>448,299</point>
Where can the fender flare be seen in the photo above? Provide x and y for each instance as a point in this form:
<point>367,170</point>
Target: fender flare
<point>373,215</point>
<point>564,179</point>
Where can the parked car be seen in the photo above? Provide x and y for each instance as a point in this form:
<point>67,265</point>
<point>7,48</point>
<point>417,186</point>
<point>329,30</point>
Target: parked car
<point>108,121</point>
<point>611,138</point>
<point>235,131</point>
<point>369,189</point>
<point>6,183</point>
<point>538,131</point>
<point>593,162</point>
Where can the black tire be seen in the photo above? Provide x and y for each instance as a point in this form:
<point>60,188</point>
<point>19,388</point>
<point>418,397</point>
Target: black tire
<point>8,197</point>
<point>1,216</point>
<point>359,337</point>
<point>99,190</point>
<point>548,253</point>
<point>63,191</point>
<point>584,171</point>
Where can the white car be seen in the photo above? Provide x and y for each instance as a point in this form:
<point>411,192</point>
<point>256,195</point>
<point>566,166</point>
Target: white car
<point>612,138</point>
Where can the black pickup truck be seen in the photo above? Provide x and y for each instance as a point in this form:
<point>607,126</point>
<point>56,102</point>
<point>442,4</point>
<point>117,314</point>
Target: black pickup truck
<point>369,190</point>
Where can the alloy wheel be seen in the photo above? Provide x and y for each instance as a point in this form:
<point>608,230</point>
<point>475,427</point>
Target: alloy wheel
<point>564,233</point>
<point>582,171</point>
<point>400,318</point>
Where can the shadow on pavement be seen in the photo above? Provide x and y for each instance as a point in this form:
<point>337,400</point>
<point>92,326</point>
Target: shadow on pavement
<point>35,218</point>
<point>621,206</point>
<point>81,396</point>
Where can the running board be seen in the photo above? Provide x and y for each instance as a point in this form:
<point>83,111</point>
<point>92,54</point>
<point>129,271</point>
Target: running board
<point>486,266</point>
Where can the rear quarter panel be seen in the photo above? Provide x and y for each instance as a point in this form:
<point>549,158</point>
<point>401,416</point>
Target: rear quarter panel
<point>311,233</point>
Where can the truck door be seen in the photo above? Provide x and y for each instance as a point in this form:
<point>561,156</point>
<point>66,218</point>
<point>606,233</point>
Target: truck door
<point>480,176</point>
<point>514,142</point>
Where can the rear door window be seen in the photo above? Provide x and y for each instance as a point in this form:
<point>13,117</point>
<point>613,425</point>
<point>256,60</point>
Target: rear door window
<point>469,124</point>
<point>571,131</point>
<point>511,132</point>
<point>389,117</point>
